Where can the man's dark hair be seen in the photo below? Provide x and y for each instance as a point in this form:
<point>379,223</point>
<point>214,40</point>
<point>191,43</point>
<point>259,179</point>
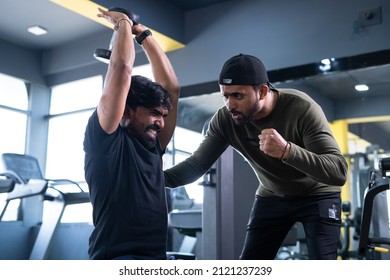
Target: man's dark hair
<point>146,93</point>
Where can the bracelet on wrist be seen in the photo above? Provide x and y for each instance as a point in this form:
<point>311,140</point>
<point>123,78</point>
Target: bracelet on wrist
<point>284,151</point>
<point>141,37</point>
<point>126,19</point>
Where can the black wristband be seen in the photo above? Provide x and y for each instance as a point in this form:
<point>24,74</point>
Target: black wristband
<point>141,37</point>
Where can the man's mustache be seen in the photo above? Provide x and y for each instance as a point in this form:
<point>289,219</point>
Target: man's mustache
<point>154,127</point>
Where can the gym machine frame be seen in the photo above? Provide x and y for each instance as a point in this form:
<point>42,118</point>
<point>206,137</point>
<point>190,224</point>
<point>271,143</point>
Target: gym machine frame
<point>378,183</point>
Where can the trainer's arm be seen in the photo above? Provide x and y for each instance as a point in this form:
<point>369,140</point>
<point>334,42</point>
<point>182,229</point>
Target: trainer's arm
<point>197,164</point>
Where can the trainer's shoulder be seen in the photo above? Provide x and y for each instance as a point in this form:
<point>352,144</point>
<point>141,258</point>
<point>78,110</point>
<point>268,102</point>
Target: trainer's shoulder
<point>295,94</point>
<point>221,118</point>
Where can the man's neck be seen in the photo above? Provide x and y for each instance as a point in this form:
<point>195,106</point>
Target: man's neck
<point>269,104</point>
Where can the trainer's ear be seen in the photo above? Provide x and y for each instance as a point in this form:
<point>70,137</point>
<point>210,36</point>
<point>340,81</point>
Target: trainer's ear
<point>264,89</point>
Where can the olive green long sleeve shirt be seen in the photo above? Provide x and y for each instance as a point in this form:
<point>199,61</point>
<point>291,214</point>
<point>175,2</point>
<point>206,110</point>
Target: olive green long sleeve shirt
<point>315,163</point>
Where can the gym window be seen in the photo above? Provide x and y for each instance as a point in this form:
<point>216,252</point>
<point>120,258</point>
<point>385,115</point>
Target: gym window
<point>13,123</point>
<point>71,105</point>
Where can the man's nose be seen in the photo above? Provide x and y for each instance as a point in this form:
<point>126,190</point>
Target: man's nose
<point>160,122</point>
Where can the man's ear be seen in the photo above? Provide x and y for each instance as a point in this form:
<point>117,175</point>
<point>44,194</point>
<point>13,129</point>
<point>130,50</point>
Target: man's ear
<point>127,117</point>
<point>127,112</point>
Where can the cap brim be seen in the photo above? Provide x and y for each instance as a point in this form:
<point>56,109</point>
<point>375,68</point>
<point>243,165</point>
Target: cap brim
<point>271,86</point>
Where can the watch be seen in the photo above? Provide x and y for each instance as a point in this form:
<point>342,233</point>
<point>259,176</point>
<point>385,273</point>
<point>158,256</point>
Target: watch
<point>141,37</point>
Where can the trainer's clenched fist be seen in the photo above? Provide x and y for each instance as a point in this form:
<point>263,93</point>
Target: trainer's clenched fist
<point>273,144</point>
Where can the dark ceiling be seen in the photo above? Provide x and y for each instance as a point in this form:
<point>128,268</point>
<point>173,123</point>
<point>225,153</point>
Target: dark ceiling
<point>17,15</point>
<point>337,84</point>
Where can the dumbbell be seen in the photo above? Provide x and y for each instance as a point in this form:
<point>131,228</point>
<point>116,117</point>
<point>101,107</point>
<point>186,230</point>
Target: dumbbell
<point>105,54</point>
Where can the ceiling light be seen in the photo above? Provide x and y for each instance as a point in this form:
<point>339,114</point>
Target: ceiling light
<point>361,87</point>
<point>37,30</point>
<point>326,64</point>
<point>325,61</point>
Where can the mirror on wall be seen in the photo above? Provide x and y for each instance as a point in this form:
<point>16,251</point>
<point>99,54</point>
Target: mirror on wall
<point>355,89</point>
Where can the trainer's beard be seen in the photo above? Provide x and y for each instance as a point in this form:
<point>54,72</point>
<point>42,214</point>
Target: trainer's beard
<point>243,121</point>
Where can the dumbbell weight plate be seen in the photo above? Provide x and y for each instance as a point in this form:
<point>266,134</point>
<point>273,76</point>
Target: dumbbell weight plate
<point>134,17</point>
<point>104,55</point>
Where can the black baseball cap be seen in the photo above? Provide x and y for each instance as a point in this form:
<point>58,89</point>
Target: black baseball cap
<point>243,69</point>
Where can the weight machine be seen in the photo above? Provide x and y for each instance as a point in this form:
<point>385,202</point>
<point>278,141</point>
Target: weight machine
<point>28,180</point>
<point>370,245</point>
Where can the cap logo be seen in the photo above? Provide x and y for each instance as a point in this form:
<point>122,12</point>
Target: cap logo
<point>227,81</point>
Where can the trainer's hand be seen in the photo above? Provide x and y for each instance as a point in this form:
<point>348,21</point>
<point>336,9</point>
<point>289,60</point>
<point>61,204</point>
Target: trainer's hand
<point>273,144</point>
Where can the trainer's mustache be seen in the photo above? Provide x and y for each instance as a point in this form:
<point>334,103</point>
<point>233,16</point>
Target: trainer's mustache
<point>233,111</point>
